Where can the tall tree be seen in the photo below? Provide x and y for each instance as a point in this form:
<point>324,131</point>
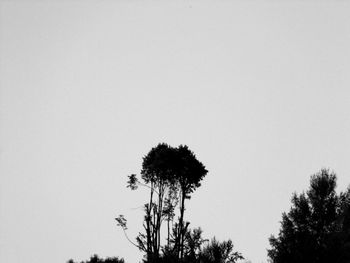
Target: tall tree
<point>157,173</point>
<point>314,230</point>
<point>189,174</point>
<point>171,174</point>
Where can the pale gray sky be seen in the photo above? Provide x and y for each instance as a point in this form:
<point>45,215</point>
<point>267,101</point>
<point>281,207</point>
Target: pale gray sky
<point>259,90</point>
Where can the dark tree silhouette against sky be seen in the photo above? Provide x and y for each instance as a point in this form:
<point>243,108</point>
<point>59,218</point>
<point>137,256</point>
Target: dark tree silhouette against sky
<point>316,229</point>
<point>189,173</point>
<point>172,175</point>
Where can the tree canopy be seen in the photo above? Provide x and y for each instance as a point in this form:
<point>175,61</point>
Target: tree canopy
<point>171,174</point>
<point>316,229</point>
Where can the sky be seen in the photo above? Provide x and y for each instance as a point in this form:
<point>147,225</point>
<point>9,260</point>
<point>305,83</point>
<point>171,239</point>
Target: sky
<point>259,90</point>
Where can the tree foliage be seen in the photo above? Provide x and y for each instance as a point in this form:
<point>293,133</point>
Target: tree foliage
<point>189,174</point>
<point>317,227</point>
<point>200,250</point>
<point>219,252</point>
<point>171,174</point>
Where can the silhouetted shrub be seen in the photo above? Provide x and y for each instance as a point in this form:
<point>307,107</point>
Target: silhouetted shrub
<point>219,252</point>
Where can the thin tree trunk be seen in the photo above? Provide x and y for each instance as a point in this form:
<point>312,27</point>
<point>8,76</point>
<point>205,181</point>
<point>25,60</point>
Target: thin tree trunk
<point>181,224</point>
<point>148,223</point>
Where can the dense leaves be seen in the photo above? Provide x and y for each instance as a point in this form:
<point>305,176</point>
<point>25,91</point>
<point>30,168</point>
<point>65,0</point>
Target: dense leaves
<point>219,252</point>
<point>316,229</point>
<point>189,171</point>
<point>159,164</point>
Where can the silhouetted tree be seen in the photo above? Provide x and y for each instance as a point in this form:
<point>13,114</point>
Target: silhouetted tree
<point>158,173</point>
<point>189,174</point>
<point>158,176</point>
<point>171,174</point>
<point>315,229</point>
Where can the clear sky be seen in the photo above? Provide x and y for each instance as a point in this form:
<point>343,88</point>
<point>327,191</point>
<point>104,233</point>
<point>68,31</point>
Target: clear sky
<point>259,90</point>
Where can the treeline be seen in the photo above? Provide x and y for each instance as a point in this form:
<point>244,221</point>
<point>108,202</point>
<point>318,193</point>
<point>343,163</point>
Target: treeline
<point>315,230</point>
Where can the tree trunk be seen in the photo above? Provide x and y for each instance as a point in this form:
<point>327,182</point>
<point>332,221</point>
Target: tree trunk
<point>148,223</point>
<point>181,225</point>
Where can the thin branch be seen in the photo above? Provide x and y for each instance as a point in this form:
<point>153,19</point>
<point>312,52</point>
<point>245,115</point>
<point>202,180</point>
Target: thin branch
<point>127,237</point>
